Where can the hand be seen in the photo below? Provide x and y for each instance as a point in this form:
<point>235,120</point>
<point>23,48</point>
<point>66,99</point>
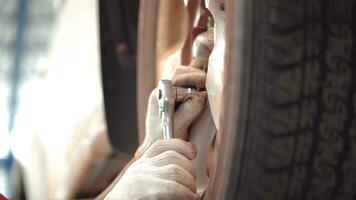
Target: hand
<point>164,171</point>
<point>189,109</point>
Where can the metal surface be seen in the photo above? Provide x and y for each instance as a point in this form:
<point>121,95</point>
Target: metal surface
<point>166,101</point>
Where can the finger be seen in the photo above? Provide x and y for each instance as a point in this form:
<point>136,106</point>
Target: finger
<point>202,46</point>
<point>153,102</point>
<point>183,93</point>
<point>198,64</point>
<point>152,116</point>
<point>147,142</point>
<point>185,70</point>
<point>177,191</point>
<point>196,79</point>
<point>186,113</point>
<point>185,148</point>
<point>172,157</point>
<point>177,174</point>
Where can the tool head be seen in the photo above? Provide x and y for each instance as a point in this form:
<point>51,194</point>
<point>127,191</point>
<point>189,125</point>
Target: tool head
<point>166,100</point>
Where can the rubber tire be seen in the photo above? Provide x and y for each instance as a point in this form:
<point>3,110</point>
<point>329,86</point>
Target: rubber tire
<point>300,141</point>
<point>118,49</point>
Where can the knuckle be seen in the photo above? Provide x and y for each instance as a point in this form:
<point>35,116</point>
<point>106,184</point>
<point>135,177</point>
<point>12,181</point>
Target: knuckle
<point>173,169</point>
<point>158,143</point>
<point>191,148</point>
<point>172,153</point>
<point>156,146</point>
<point>177,156</point>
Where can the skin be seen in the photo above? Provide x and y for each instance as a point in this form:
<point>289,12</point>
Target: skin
<point>182,76</point>
<point>191,75</point>
<point>163,171</point>
<point>189,110</point>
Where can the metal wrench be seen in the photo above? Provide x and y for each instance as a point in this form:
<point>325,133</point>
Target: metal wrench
<point>167,96</point>
<point>166,99</point>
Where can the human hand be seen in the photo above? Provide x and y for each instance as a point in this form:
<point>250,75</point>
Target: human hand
<point>164,171</point>
<point>191,105</point>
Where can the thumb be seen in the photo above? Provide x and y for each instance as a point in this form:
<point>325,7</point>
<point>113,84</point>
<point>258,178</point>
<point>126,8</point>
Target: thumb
<point>148,141</point>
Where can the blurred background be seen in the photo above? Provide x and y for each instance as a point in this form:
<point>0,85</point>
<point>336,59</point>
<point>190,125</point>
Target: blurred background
<point>50,87</point>
<point>25,33</point>
<point>26,29</point>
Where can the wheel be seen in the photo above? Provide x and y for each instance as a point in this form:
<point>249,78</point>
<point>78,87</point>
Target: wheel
<point>118,32</point>
<point>290,131</point>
